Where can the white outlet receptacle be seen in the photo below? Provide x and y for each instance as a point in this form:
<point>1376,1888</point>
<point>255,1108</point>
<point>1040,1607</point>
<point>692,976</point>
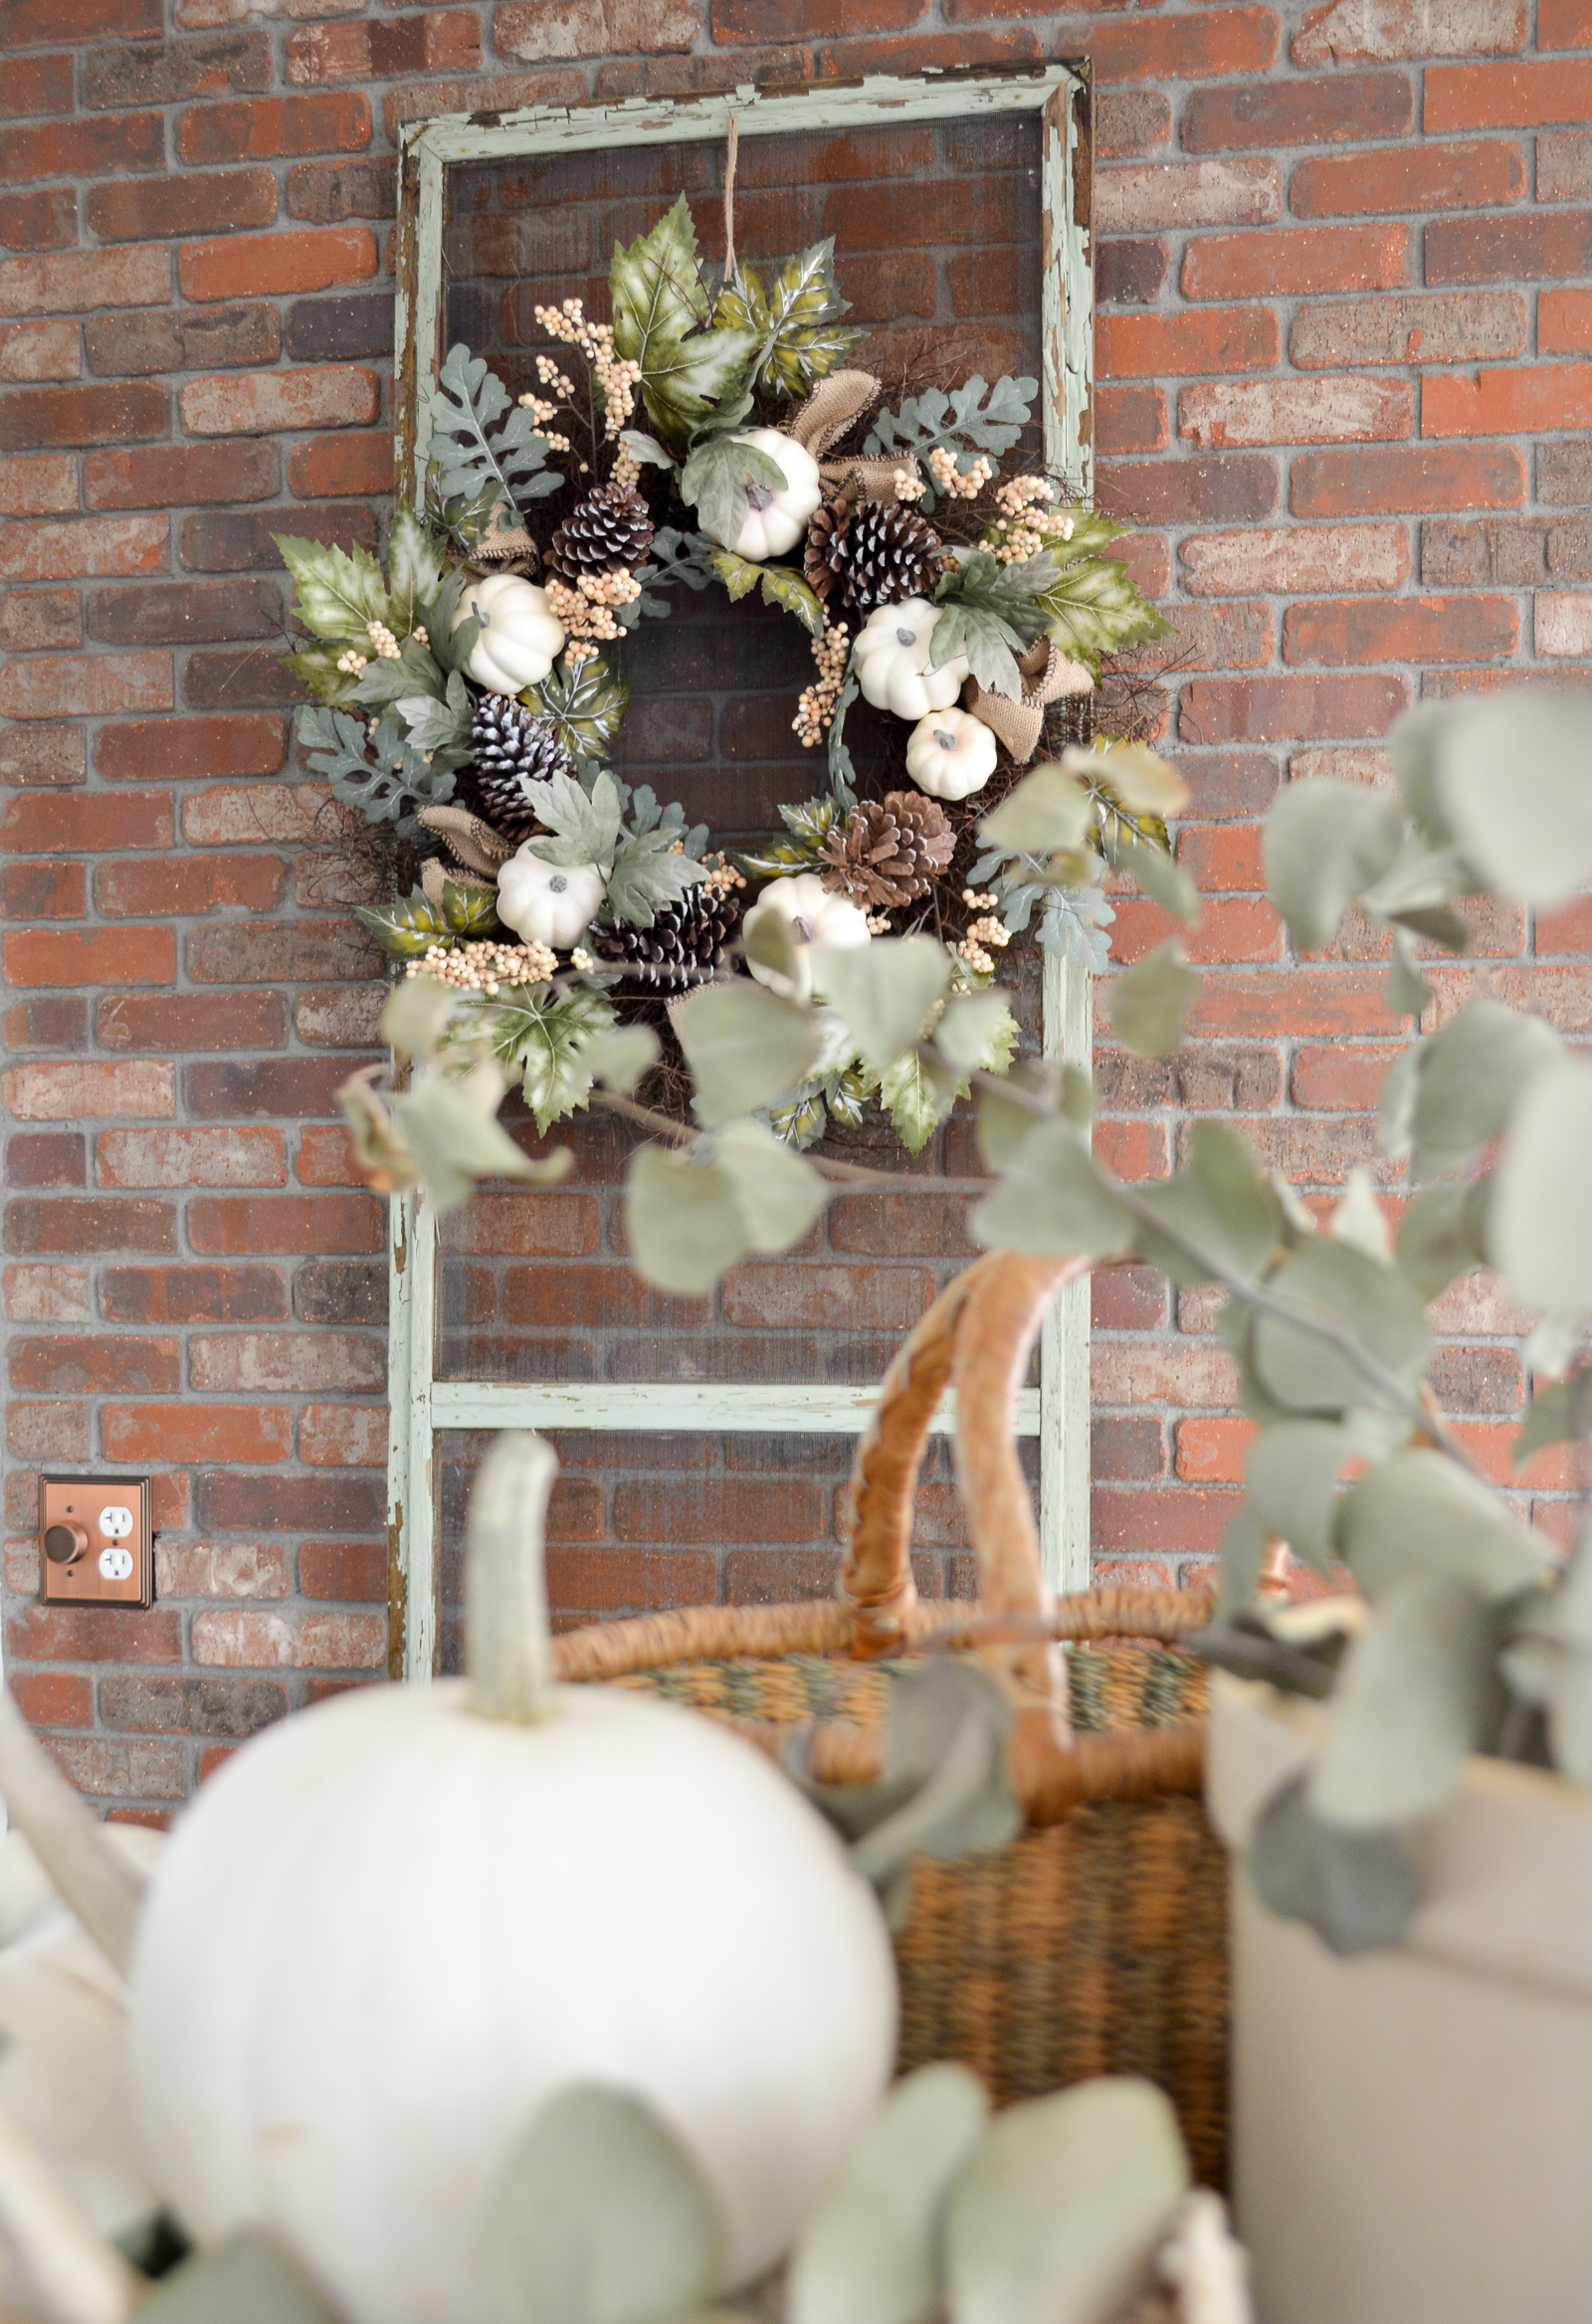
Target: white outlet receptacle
<point>115,1523</point>
<point>116,1563</point>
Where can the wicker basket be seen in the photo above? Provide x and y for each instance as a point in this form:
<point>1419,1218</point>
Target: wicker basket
<point>1096,1943</point>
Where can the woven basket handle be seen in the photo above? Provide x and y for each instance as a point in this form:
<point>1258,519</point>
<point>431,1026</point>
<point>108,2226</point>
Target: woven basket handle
<point>979,1333</point>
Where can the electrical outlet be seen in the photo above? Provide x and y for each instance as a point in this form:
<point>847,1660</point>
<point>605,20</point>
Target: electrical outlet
<point>95,1541</point>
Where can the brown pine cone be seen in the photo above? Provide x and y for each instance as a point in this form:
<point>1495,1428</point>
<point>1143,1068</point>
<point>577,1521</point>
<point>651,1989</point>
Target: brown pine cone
<point>871,553</point>
<point>609,532</point>
<point>890,851</point>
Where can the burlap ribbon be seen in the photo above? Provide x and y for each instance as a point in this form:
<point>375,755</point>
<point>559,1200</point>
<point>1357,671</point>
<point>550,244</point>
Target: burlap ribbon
<point>469,841</point>
<point>502,549</point>
<point>835,404</point>
<point>1047,676</point>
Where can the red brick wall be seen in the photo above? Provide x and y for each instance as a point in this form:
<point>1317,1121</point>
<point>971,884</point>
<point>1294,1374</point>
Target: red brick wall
<point>1346,354</point>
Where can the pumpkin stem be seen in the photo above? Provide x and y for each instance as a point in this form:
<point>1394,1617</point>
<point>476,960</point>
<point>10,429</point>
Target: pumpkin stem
<point>103,1888</point>
<point>507,1652</point>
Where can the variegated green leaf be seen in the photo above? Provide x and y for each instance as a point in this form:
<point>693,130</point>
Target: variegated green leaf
<point>659,307</point>
<point>740,575</point>
<point>586,705</point>
<point>415,568</point>
<point>335,595</point>
<point>806,339</point>
<point>784,587</point>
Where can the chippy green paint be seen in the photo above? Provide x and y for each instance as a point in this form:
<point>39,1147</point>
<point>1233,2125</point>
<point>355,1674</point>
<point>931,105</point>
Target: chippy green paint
<point>1059,1412</point>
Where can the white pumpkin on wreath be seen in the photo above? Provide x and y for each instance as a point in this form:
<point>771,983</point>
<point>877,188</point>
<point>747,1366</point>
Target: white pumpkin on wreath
<point>549,903</point>
<point>814,916</point>
<point>950,754</point>
<point>776,520</point>
<point>891,661</point>
<point>520,635</point>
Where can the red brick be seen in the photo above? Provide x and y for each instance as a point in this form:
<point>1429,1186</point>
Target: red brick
<point>43,221</point>
<point>36,487</point>
<point>835,1297</point>
<point>183,340</point>
<point>71,685</point>
<point>26,23</point>
<point>1290,562</point>
<point>43,892</point>
<point>1506,97</point>
<point>1565,322</point>
<point>1450,327</point>
<point>1536,402</point>
<point>1312,257</point>
<point>73,281</point>
<point>292,1090</point>
<point>334,123</point>
<point>1295,410</point>
<point>333,396</point>
<point>1563,625</point>
<point>191,1431</point>
<point>1268,114</point>
<point>325,1157</point>
<point>88,547</point>
<point>564,1225</point>
<point>237,1502</point>
<point>1340,1078</point>
<point>185,613</point>
<point>42,757</point>
<point>551,31</point>
<point>57,956</point>
<point>1275,709</point>
<point>98,1633</point>
<point>36,1023</point>
<point>344,1435</point>
<point>1564,166</point>
<point>1374,629</point>
<point>372,51</point>
<point>1499,250</point>
<point>78,825</point>
<point>35,85</point>
<point>56,1431</point>
<point>1212,1452</point>
<point>1417,177</point>
<point>179,749</point>
<point>47,1158</point>
<point>277,265</point>
<point>1210,46</point>
<point>84,148</point>
<point>53,1698</point>
<point>1188,492</point>
<point>193,1294</point>
<point>325,192</point>
<point>348,1570</point>
<point>34,418</point>
<point>76,1364</point>
<point>1130,121</point>
<point>183,887</point>
<point>283,1223</point>
<point>329,464</point>
<point>1331,1003</point>
<point>1131,419</point>
<point>40,350</point>
<point>1564,24</point>
<point>33,620</point>
<point>88,1090</point>
<point>280,952</point>
<point>928,51</point>
<point>234,1363</point>
<point>1185,194</point>
<point>189,1157</point>
<point>203,203</point>
<point>422,100</point>
<point>41,1228</point>
<point>1351,32</point>
<point>1154,346</point>
<point>236,543</point>
<point>314,1641</point>
<point>1126,273</point>
<point>47,1295</point>
<point>192,1021</point>
<point>1370,481</point>
<point>187,1706</point>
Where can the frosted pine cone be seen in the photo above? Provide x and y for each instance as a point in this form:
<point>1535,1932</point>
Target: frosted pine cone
<point>513,754</point>
<point>867,553</point>
<point>609,532</point>
<point>685,945</point>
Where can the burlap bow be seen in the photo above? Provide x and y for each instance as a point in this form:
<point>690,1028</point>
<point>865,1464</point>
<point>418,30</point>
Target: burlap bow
<point>473,844</point>
<point>834,406</point>
<point>502,549</point>
<point>1047,676</point>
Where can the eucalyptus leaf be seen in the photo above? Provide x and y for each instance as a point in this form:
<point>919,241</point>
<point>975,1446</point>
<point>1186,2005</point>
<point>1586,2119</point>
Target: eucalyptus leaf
<point>947,1787</point>
<point>1149,1002</point>
<point>447,1124</point>
<point>1436,1240</point>
<point>1406,992</point>
<point>1158,873</point>
<point>1217,1217</point>
<point>1466,1078</point>
<point>1540,1220</point>
<point>1325,844</point>
<point>414,1013</point>
<point>1292,1472</point>
<point>1358,1221</point>
<point>745,1046</point>
<point>1051,1201</point>
<point>619,1059</point>
<point>1060,2212</point>
<point>1419,1508</point>
<point>1345,1290</point>
<point>1358,1890</point>
<point>970,1024</point>
<point>1048,810</point>
<point>869,2251</point>
<point>1138,778</point>
<point>600,2216</point>
<point>1512,781</point>
<point>688,1218</point>
<point>884,991</point>
<point>1417,1693</point>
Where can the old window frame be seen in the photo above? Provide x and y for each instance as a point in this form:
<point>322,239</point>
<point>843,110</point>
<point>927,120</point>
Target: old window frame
<point>421,1405</point>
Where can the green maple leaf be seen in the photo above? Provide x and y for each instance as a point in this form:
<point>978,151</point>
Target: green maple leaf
<point>586,705</point>
<point>797,322</point>
<point>660,307</point>
<point>335,596</point>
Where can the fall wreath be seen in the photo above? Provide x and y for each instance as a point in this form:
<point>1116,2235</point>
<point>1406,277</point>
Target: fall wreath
<point>471,694</point>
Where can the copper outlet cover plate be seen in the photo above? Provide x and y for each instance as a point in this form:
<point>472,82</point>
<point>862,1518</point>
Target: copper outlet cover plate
<point>96,1545</point>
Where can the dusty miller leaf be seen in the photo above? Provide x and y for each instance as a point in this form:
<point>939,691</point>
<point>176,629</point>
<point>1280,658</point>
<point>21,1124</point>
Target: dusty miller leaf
<point>483,443</point>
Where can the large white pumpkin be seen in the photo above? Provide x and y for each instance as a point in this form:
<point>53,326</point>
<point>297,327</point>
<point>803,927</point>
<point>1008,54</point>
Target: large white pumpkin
<point>891,661</point>
<point>393,1928</point>
<point>776,520</point>
<point>520,635</point>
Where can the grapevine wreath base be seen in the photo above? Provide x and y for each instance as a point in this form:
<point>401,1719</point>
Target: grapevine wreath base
<point>471,694</point>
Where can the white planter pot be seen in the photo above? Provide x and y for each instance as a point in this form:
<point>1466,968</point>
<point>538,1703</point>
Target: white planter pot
<point>1413,2128</point>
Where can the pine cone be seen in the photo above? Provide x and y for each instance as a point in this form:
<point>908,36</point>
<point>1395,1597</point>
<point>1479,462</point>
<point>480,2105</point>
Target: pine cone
<point>512,753</point>
<point>684,945</point>
<point>889,850</point>
<point>609,532</point>
<point>871,553</point>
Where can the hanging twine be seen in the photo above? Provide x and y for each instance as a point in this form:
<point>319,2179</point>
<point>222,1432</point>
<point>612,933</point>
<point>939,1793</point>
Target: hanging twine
<point>1046,676</point>
<point>732,146</point>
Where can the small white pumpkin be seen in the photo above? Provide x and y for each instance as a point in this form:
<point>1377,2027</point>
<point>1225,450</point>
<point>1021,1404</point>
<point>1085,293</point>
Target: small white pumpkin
<point>816,916</point>
<point>891,661</point>
<point>950,754</point>
<point>549,903</point>
<point>520,635</point>
<point>775,521</point>
<point>393,1928</point>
